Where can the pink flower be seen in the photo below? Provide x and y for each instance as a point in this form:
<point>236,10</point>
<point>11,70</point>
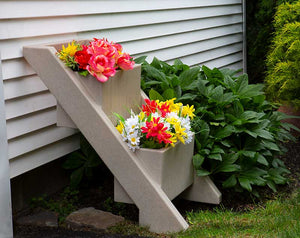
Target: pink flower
<point>101,67</point>
<point>102,47</point>
<point>125,62</point>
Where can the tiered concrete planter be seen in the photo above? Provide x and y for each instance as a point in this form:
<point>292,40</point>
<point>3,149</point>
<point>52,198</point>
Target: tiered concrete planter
<point>171,168</point>
<point>148,178</point>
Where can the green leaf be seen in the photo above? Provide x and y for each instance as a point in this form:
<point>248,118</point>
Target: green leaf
<point>262,160</point>
<point>265,134</point>
<point>224,132</point>
<point>119,117</point>
<point>225,143</point>
<point>93,161</point>
<point>188,76</point>
<point>246,115</point>
<point>241,83</point>
<point>155,73</point>
<point>217,94</point>
<point>85,146</point>
<point>217,149</point>
<point>251,133</point>
<point>169,94</point>
<point>154,95</point>
<point>140,59</point>
<point>155,63</point>
<point>270,145</point>
<point>198,161</point>
<point>73,161</point>
<point>76,177</point>
<point>202,172</point>
<point>251,91</point>
<point>151,83</point>
<point>245,183</point>
<point>187,96</point>
<point>215,157</point>
<point>250,154</point>
<point>230,182</point>
<point>84,73</point>
<point>227,168</point>
<point>272,186</point>
<point>178,91</point>
<point>229,82</point>
<point>202,89</point>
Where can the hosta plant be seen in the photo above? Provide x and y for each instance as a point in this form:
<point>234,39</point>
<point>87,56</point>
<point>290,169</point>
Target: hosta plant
<point>238,133</point>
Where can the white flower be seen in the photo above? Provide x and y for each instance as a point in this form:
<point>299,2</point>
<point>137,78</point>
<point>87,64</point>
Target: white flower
<point>131,123</point>
<point>172,114</point>
<point>156,115</point>
<point>189,137</point>
<point>133,140</point>
<point>186,123</point>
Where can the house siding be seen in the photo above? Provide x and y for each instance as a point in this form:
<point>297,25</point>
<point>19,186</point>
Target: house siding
<point>197,32</point>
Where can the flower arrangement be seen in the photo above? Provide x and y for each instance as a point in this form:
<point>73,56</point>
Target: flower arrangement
<point>158,125</point>
<point>99,58</point>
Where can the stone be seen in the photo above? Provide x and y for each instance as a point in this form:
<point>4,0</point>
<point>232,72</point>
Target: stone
<point>92,218</point>
<point>42,218</point>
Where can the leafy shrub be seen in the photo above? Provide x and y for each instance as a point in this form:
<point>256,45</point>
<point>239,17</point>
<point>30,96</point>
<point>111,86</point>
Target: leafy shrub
<point>283,75</point>
<point>237,131</point>
<point>259,14</point>
<point>82,163</point>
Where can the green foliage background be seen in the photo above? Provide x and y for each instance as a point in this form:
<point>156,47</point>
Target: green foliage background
<point>260,15</point>
<point>283,61</point>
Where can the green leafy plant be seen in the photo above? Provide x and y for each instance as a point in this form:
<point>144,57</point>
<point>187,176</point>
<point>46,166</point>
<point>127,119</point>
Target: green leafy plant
<point>63,206</point>
<point>82,163</point>
<point>283,74</point>
<point>260,15</point>
<point>238,132</point>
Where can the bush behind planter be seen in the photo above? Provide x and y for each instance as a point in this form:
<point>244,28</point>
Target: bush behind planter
<point>238,132</point>
<point>260,14</point>
<point>283,75</point>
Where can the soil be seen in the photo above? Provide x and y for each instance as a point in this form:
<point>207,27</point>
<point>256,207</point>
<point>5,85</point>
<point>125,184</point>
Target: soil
<point>99,194</point>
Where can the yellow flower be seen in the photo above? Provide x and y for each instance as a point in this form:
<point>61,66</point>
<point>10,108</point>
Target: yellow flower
<point>188,111</point>
<point>141,116</point>
<point>172,120</point>
<point>173,139</point>
<point>69,51</point>
<point>174,107</point>
<point>120,127</point>
<point>179,132</point>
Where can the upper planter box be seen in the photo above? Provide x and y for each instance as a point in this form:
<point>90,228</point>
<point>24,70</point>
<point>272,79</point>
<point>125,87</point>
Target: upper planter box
<point>119,94</point>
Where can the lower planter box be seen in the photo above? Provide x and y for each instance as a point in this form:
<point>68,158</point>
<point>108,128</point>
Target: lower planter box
<point>171,168</point>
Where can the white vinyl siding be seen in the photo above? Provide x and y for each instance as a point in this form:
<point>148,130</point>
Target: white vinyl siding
<point>196,31</point>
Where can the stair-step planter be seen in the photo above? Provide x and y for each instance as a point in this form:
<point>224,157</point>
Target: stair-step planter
<point>89,105</point>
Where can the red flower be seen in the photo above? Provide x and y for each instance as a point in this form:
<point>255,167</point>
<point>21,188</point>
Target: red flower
<point>150,107</point>
<point>82,57</point>
<point>156,130</point>
<point>164,109</point>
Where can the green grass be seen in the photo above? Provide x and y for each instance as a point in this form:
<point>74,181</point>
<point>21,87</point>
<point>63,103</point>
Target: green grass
<point>277,218</point>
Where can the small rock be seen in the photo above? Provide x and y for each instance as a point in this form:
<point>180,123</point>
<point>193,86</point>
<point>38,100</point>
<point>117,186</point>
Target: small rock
<point>42,218</point>
<point>92,218</point>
